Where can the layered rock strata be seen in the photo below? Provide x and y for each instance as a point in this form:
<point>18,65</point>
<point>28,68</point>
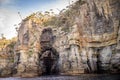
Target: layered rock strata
<point>85,41</point>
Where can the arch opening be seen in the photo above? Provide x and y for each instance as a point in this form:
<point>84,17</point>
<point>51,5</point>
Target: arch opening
<point>49,62</point>
<point>49,56</point>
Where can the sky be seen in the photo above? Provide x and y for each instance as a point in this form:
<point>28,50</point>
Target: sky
<point>9,17</point>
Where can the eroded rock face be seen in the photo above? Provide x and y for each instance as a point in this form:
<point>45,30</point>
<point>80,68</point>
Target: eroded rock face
<point>49,56</point>
<point>94,36</point>
<point>27,49</point>
<point>98,22</point>
<point>7,57</point>
<point>99,32</point>
<point>91,45</point>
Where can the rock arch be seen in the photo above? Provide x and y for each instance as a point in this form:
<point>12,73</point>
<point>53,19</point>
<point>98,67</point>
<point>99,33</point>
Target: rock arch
<point>49,56</point>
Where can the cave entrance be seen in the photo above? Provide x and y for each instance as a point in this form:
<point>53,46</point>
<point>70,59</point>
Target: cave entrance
<point>49,63</point>
<point>49,56</point>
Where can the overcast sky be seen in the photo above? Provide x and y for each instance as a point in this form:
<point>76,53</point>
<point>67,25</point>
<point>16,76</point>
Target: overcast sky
<point>9,12</point>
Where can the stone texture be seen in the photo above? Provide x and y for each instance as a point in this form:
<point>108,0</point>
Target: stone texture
<point>90,44</point>
<point>98,23</point>
<point>105,56</point>
<point>115,62</point>
<point>28,48</point>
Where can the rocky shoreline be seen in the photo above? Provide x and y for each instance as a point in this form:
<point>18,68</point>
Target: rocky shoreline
<point>85,38</point>
<point>80,77</point>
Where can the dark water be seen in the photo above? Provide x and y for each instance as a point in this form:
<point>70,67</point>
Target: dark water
<point>80,77</point>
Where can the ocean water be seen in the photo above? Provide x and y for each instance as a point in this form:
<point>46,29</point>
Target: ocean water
<point>80,77</point>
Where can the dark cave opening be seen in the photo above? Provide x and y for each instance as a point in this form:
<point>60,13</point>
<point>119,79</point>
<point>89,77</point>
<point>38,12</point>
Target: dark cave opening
<point>49,62</point>
<point>49,55</point>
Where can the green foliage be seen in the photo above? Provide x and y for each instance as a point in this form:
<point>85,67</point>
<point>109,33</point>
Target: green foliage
<point>11,45</point>
<point>67,17</point>
<point>11,60</point>
<point>65,29</point>
<point>30,52</point>
<point>51,21</point>
<point>80,2</point>
<point>113,51</point>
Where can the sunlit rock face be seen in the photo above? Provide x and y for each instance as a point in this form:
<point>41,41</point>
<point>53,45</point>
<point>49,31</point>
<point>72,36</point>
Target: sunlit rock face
<point>27,49</point>
<point>7,57</point>
<point>67,45</point>
<point>90,46</point>
<point>99,24</point>
<point>49,56</point>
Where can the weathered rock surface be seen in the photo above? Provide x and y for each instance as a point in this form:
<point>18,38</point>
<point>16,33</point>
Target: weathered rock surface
<point>27,49</point>
<point>85,40</point>
<point>7,57</point>
<point>98,23</point>
<point>90,45</point>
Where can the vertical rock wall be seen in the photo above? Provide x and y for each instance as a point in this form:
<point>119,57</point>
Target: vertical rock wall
<point>91,45</point>
<point>27,49</point>
<point>99,23</point>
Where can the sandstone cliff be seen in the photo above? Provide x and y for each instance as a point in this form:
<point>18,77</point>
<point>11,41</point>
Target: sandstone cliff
<point>82,39</point>
<point>7,57</point>
<point>86,38</point>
